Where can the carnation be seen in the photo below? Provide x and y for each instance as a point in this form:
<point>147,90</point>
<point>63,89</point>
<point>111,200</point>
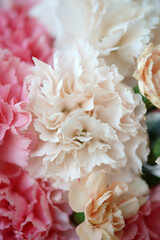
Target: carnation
<point>148,73</point>
<point>32,209</point>
<point>118,29</point>
<point>14,119</point>
<point>86,118</point>
<point>145,225</point>
<point>24,36</point>
<point>61,227</point>
<point>105,205</point>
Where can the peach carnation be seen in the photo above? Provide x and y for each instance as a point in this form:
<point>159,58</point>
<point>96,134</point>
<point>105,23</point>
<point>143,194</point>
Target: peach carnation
<point>31,209</point>
<point>24,36</point>
<point>105,205</point>
<point>118,29</point>
<point>148,73</point>
<point>86,118</point>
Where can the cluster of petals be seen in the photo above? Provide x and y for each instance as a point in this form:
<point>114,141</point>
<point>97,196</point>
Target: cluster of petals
<point>117,33</point>
<point>24,36</point>
<point>105,205</point>
<point>145,225</point>
<point>86,118</point>
<point>14,119</point>
<point>155,38</point>
<point>31,209</point>
<point>148,73</point>
<point>17,3</point>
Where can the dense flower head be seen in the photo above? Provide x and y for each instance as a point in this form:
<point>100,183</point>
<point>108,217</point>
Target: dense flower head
<point>145,225</point>
<point>24,36</point>
<point>86,118</point>
<point>31,209</point>
<point>118,29</point>
<point>105,205</point>
<point>13,118</point>
<point>148,73</point>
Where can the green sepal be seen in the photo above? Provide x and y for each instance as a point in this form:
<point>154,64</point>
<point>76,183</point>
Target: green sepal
<point>77,218</point>
<point>146,101</point>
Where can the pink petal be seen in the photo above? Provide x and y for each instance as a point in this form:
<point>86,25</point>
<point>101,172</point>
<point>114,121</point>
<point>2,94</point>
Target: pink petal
<point>15,149</point>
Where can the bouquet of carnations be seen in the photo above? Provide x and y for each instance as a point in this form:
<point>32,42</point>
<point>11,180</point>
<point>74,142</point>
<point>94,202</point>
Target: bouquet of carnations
<point>79,119</point>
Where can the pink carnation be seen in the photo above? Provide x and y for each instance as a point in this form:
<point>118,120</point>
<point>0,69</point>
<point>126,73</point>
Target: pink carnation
<point>20,3</point>
<point>13,119</point>
<point>61,229</point>
<point>24,36</point>
<point>31,209</point>
<point>145,225</point>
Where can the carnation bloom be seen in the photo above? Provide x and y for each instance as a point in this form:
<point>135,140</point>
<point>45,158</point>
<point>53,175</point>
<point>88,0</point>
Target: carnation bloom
<point>148,73</point>
<point>31,209</point>
<point>105,205</point>
<point>145,225</point>
<point>86,118</point>
<point>24,36</point>
<point>60,211</point>
<point>117,33</point>
<point>13,118</point>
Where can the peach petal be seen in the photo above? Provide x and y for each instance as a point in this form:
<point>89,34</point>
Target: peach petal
<point>84,231</point>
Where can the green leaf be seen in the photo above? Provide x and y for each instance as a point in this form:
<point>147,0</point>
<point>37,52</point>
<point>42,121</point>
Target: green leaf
<point>150,179</point>
<point>151,174</point>
<point>155,151</point>
<point>156,148</point>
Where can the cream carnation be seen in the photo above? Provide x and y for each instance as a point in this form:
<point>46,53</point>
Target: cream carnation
<point>86,118</point>
<point>156,33</point>
<point>105,205</point>
<point>118,29</point>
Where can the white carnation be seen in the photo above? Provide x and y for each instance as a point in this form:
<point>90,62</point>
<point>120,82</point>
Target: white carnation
<point>86,118</point>
<point>118,29</point>
<point>156,33</point>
